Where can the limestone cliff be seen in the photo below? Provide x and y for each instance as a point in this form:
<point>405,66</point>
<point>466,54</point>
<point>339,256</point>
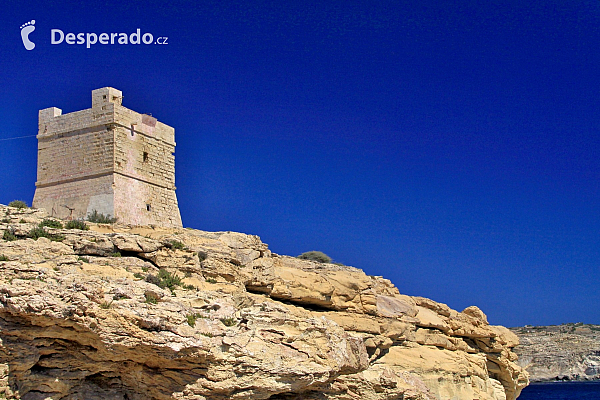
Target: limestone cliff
<point>122,312</point>
<point>560,352</point>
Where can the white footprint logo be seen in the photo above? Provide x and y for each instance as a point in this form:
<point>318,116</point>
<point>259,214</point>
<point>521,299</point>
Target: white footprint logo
<point>26,29</point>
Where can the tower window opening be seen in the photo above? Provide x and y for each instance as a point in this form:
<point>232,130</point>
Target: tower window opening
<point>145,156</point>
<point>148,207</point>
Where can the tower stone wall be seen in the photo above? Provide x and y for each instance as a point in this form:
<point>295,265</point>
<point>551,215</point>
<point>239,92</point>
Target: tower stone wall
<point>107,158</point>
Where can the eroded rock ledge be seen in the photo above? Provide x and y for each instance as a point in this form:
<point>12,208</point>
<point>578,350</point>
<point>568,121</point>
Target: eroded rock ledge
<point>86,318</point>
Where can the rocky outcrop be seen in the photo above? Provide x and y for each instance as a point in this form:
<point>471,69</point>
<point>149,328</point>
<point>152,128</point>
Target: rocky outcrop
<point>568,352</point>
<point>123,312</point>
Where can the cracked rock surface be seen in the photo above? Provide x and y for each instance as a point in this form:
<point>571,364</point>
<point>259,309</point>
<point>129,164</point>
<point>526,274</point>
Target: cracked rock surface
<point>126,312</point>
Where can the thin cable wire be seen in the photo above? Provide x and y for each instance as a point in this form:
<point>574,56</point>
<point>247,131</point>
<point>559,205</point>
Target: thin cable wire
<point>18,137</point>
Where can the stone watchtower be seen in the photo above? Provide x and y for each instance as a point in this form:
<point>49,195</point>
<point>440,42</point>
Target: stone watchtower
<point>106,158</point>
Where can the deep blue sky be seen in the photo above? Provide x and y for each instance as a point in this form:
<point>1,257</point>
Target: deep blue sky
<point>452,148</point>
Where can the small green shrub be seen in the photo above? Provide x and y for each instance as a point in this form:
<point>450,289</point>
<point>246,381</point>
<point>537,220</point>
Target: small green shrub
<point>84,259</point>
<point>176,244</point>
<point>5,220</point>
<point>153,279</point>
<point>211,280</point>
<point>191,319</point>
<point>164,280</point>
<point>3,257</point>
<point>207,334</point>
<point>77,224</point>
<point>168,280</point>
<point>9,235</point>
<point>100,218</point>
<point>151,298</point>
<point>38,232</point>
<point>50,223</point>
<point>202,256</point>
<point>56,237</point>
<point>106,305</point>
<point>317,256</point>
<point>138,275</point>
<point>229,321</point>
<point>115,254</point>
<point>22,221</point>
<point>189,287</point>
<point>18,204</point>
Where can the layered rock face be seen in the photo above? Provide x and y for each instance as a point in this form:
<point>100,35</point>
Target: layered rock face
<point>122,312</point>
<point>560,352</point>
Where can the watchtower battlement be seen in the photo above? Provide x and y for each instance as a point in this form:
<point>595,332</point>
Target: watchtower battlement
<point>102,96</point>
<point>106,158</point>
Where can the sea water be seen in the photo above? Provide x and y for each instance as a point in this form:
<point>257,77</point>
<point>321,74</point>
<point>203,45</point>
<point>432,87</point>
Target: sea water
<point>562,391</point>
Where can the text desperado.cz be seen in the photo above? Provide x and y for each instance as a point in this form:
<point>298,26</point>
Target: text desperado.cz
<point>57,37</point>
